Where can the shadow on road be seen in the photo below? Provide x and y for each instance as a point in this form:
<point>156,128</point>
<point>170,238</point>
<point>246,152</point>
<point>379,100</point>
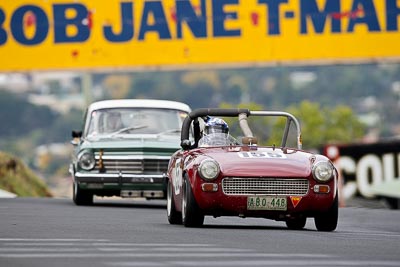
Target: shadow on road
<point>140,204</point>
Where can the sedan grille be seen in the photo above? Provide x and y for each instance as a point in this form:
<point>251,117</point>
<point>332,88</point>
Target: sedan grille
<point>265,186</point>
<point>132,166</point>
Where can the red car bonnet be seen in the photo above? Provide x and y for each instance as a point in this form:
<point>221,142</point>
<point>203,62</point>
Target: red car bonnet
<point>267,162</point>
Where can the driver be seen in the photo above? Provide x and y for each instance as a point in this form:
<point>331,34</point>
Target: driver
<point>114,122</point>
<point>215,133</point>
<point>215,125</point>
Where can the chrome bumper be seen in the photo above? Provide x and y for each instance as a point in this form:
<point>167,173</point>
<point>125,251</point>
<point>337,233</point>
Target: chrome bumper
<point>119,178</point>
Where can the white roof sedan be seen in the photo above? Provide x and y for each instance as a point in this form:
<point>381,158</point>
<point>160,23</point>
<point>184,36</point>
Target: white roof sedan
<point>125,147</point>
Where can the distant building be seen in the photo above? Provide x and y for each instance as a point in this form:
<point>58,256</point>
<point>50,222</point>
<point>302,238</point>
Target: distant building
<point>57,90</point>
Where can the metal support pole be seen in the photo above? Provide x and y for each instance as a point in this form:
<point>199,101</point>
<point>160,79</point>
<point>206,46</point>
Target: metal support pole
<point>87,85</point>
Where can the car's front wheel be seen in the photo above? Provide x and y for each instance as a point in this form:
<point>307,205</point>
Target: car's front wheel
<point>192,216</point>
<point>174,217</point>
<point>80,197</point>
<point>327,221</point>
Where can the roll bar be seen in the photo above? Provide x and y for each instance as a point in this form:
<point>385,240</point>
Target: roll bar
<point>242,114</point>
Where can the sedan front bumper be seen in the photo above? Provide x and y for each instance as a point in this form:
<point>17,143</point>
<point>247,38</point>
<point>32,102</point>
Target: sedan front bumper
<point>119,178</point>
<point>123,185</point>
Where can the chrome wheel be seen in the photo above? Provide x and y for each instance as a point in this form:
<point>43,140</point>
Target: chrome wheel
<point>174,217</point>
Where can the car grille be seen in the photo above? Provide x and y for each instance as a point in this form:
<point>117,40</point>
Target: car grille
<point>265,186</point>
<point>133,166</point>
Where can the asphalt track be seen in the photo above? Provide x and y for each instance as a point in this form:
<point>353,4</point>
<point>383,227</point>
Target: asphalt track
<point>49,232</point>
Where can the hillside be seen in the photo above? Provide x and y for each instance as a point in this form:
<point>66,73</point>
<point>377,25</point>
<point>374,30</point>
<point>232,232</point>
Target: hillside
<point>17,178</point>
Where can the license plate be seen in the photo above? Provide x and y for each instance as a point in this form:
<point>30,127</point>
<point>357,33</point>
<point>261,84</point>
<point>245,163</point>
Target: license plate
<point>95,185</point>
<point>266,203</point>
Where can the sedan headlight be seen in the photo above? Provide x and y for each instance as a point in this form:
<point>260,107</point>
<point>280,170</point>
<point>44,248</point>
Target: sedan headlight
<point>209,169</point>
<point>86,160</point>
<point>323,171</point>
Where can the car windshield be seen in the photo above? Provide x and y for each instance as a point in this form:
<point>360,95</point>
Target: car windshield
<point>217,139</point>
<point>126,121</point>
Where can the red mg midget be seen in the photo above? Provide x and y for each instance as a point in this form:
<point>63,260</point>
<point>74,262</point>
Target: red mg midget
<point>215,174</point>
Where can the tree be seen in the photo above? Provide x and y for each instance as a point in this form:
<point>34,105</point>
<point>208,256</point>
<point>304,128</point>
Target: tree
<point>19,117</point>
<point>321,125</point>
<point>117,85</point>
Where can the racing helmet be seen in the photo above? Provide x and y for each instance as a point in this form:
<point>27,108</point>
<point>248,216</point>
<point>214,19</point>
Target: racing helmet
<point>215,125</point>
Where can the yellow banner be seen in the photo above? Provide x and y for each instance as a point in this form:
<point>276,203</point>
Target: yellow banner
<point>73,34</point>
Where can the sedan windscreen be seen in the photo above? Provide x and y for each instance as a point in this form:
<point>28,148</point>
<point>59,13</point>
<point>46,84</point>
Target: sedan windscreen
<point>135,121</point>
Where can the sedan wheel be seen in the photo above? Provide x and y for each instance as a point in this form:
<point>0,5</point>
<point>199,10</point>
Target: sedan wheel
<point>174,217</point>
<point>80,197</point>
<point>191,213</point>
<point>327,221</point>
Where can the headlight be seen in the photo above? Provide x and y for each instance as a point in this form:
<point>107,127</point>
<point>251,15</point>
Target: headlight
<point>323,171</point>
<point>86,160</point>
<point>209,169</point>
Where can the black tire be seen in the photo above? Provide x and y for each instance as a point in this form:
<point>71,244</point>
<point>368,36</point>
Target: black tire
<point>192,216</point>
<point>174,217</point>
<point>80,197</point>
<point>297,223</point>
<point>327,221</point>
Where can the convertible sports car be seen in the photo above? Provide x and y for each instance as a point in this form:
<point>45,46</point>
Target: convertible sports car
<point>222,176</point>
<point>124,148</point>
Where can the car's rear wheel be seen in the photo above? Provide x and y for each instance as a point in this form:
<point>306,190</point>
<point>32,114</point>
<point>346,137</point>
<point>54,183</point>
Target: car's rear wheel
<point>327,221</point>
<point>80,197</point>
<point>296,223</point>
<point>192,216</point>
<point>174,217</point>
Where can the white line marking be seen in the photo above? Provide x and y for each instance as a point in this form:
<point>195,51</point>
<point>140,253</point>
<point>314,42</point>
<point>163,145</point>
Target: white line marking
<point>289,263</point>
<point>156,255</point>
<point>174,249</point>
<point>39,249</point>
<point>52,239</point>
<point>266,262</point>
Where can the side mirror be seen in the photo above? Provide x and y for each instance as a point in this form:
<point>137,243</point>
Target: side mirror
<point>76,134</point>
